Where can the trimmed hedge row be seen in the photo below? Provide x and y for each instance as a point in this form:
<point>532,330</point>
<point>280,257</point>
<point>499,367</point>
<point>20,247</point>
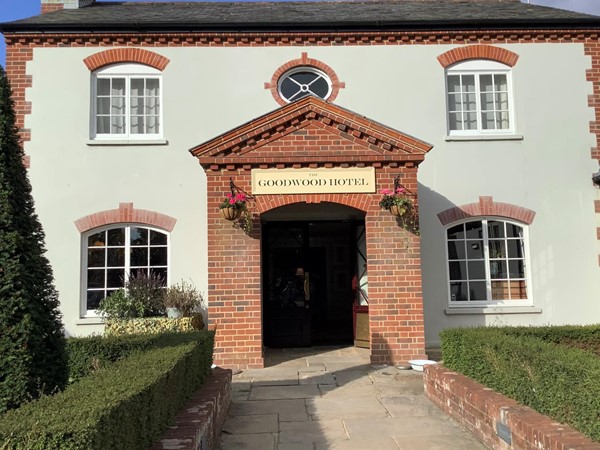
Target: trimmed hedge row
<point>88,354</point>
<point>127,404</point>
<point>152,325</point>
<point>558,381</point>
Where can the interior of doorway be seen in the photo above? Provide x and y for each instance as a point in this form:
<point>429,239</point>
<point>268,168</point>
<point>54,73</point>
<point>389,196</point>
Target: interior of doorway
<point>308,268</point>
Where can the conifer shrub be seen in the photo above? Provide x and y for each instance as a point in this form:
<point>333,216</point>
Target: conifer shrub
<point>32,345</point>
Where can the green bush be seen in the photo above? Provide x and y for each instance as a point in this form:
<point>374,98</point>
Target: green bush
<point>529,366</point>
<point>153,325</point>
<point>92,353</point>
<point>126,405</point>
<point>143,296</point>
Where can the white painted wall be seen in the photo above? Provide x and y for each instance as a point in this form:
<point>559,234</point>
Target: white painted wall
<point>208,91</point>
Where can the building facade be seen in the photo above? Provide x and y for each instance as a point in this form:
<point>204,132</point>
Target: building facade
<point>485,113</point>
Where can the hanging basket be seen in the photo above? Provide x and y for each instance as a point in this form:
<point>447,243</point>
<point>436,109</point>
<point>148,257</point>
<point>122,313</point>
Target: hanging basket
<point>231,213</point>
<point>397,210</point>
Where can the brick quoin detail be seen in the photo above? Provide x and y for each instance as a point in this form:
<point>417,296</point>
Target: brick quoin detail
<point>312,133</point>
<point>478,409</point>
<point>121,55</point>
<point>51,7</point>
<point>486,207</point>
<point>304,61</point>
<point>126,213</point>
<point>490,52</point>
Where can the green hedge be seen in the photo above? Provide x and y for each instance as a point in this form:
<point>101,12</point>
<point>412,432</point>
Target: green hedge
<point>529,366</point>
<point>126,405</point>
<point>92,353</point>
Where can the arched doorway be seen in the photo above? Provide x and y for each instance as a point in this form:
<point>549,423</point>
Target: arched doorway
<point>310,264</point>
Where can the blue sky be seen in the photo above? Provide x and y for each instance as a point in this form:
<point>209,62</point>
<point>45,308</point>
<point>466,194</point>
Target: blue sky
<point>19,9</point>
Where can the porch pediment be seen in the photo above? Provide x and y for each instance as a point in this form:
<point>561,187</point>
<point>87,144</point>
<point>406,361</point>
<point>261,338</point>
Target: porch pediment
<point>311,131</point>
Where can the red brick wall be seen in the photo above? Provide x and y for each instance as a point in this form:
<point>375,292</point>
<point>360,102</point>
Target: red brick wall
<point>478,409</point>
<point>50,7</point>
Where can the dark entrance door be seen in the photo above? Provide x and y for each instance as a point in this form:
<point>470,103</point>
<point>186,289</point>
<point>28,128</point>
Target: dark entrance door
<point>308,269</point>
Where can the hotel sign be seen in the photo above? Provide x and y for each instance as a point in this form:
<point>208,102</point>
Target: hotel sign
<point>313,181</point>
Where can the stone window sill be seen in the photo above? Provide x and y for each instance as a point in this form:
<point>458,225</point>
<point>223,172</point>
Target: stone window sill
<point>493,310</point>
<point>128,142</point>
<point>485,137</point>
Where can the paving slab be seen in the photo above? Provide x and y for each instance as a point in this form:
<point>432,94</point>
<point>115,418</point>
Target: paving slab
<point>464,442</point>
<point>345,408</point>
<point>309,445</point>
<point>386,443</point>
<point>296,406</point>
<point>321,431</point>
<point>284,392</point>
<point>317,378</point>
<point>408,406</point>
<point>256,423</point>
<point>265,441</point>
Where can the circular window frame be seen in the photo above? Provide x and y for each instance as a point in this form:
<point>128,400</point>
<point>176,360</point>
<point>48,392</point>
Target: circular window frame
<point>300,69</point>
<point>301,64</point>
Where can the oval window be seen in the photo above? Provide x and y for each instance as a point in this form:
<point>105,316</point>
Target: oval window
<point>303,81</point>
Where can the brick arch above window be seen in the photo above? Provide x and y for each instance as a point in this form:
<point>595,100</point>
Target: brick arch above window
<point>304,61</point>
<point>468,52</point>
<point>126,55</point>
<point>486,207</point>
<point>266,203</point>
<point>126,213</point>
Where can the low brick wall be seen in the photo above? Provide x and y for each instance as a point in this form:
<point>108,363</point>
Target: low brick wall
<point>495,419</point>
<point>198,425</point>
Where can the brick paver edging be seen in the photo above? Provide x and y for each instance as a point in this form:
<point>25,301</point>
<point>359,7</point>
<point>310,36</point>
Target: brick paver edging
<point>198,425</point>
<point>488,414</point>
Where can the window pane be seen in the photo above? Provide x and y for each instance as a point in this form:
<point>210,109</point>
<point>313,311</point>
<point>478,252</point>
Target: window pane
<point>500,290</point>
<point>152,87</point>
<point>502,121</point>
<point>118,125</point>
<point>474,230</point>
<point>93,299</point>
<point>456,232</point>
<point>502,101</point>
<point>114,278</point>
<point>488,121</point>
<point>304,77</point>
<point>137,125</point>
<point>458,270</point>
<point>470,121</point>
<point>152,125</point>
<point>158,256</point>
<point>487,102</point>
<point>514,230</point>
<point>96,257</point>
<point>139,256</point>
<point>157,238</point>
<point>477,290</point>
<point>458,291</point>
<point>456,250</point>
<point>103,86</point>
<point>116,237</point>
<point>497,249</point>
<point>137,106</point>
<point>118,105</point>
<point>498,269</point>
<point>516,268</point>
<point>495,229</point>
<point>103,105</point>
<point>468,83</point>
<point>500,83</point>
<point>319,87</point>
<point>515,248</point>
<point>453,83</point>
<point>470,102</point>
<point>118,86</point>
<point>95,278</point>
<point>103,124</point>
<point>152,106</point>
<point>97,239</point>
<point>116,257</point>
<point>476,270</point>
<point>137,87</point>
<point>485,83</point>
<point>139,236</point>
<point>289,88</point>
<point>474,249</point>
<point>518,290</point>
<point>455,121</point>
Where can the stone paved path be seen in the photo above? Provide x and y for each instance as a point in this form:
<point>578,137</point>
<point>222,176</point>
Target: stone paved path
<point>332,398</point>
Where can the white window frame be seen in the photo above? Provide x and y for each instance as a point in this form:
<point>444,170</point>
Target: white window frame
<point>457,304</point>
<point>478,68</point>
<point>304,69</point>
<point>126,71</point>
<point>86,313</point>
